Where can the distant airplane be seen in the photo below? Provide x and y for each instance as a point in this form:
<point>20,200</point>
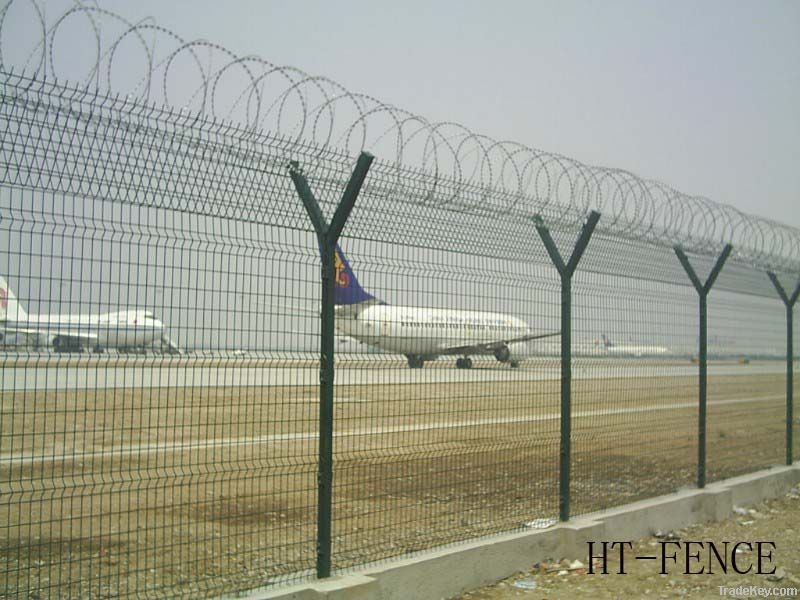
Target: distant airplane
<point>424,334</point>
<point>71,333</point>
<point>630,349</point>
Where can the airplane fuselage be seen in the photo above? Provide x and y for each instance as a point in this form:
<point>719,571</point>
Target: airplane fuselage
<point>122,329</point>
<point>427,331</point>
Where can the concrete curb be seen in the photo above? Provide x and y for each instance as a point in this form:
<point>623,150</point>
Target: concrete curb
<point>452,570</point>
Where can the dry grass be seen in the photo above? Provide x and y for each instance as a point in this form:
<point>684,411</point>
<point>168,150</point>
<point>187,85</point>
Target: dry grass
<point>192,492</point>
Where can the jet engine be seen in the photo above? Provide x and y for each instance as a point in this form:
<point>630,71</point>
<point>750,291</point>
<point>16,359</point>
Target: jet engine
<point>66,344</point>
<point>505,354</point>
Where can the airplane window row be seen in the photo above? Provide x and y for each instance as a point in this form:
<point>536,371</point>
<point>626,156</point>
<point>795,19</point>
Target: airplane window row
<point>452,325</point>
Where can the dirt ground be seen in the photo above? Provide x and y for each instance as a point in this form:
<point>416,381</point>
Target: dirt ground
<point>776,521</point>
<point>196,492</point>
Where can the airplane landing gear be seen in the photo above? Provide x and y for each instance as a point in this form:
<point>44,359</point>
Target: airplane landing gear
<point>415,361</point>
<point>464,363</point>
<point>514,364</point>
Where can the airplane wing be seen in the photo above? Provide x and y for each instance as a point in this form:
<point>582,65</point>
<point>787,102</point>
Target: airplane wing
<point>489,347</point>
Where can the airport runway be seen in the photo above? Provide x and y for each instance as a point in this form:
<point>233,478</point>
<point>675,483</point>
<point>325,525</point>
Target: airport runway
<point>114,373</point>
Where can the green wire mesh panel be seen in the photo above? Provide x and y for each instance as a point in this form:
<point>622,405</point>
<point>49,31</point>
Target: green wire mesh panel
<point>164,445</point>
<point>440,454</point>
<point>747,426</point>
<point>634,403</point>
<point>635,396</point>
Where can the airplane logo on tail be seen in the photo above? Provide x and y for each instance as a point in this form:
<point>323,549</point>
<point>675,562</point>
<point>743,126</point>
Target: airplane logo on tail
<point>346,290</point>
<point>342,279</point>
<point>3,298</point>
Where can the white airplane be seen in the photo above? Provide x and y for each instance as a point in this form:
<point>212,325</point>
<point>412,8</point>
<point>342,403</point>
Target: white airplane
<point>424,334</point>
<point>71,333</point>
<point>630,349</point>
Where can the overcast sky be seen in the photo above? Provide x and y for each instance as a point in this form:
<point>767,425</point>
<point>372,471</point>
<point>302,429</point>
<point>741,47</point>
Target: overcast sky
<point>704,96</point>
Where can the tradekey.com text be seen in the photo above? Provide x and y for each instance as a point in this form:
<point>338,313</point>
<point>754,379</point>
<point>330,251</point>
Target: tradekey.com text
<point>754,591</point>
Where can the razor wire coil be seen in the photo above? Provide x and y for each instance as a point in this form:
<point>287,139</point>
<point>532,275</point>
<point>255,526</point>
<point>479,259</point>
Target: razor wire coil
<point>463,170</point>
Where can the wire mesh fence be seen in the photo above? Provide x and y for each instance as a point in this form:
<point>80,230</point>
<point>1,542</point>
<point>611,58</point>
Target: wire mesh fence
<point>170,423</point>
<point>166,441</point>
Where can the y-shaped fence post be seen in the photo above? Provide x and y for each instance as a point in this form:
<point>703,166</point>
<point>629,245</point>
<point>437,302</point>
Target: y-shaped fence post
<point>566,271</point>
<point>789,303</point>
<point>702,292</point>
<point>327,236</point>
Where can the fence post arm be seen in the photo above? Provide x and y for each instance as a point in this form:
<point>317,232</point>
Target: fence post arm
<point>314,210</point>
<point>351,192</point>
<point>583,241</point>
<point>549,244</point>
<point>779,288</point>
<point>712,277</point>
<point>687,266</point>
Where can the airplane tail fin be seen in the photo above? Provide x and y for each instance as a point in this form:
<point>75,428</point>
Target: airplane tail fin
<point>9,306</point>
<point>346,290</point>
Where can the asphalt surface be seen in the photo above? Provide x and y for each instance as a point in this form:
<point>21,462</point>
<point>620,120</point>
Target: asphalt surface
<point>48,373</point>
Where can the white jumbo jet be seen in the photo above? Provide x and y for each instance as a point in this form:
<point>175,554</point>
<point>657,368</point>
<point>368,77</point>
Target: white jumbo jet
<point>424,334</point>
<point>630,349</point>
<point>71,333</point>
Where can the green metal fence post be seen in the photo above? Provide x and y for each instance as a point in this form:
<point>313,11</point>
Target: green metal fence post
<point>702,292</point>
<point>566,271</point>
<point>789,302</point>
<point>327,237</point>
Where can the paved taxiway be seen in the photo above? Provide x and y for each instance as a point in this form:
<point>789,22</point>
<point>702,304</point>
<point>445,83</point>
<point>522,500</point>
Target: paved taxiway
<point>189,372</point>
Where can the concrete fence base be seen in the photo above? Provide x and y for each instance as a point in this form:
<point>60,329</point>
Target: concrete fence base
<point>450,571</point>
